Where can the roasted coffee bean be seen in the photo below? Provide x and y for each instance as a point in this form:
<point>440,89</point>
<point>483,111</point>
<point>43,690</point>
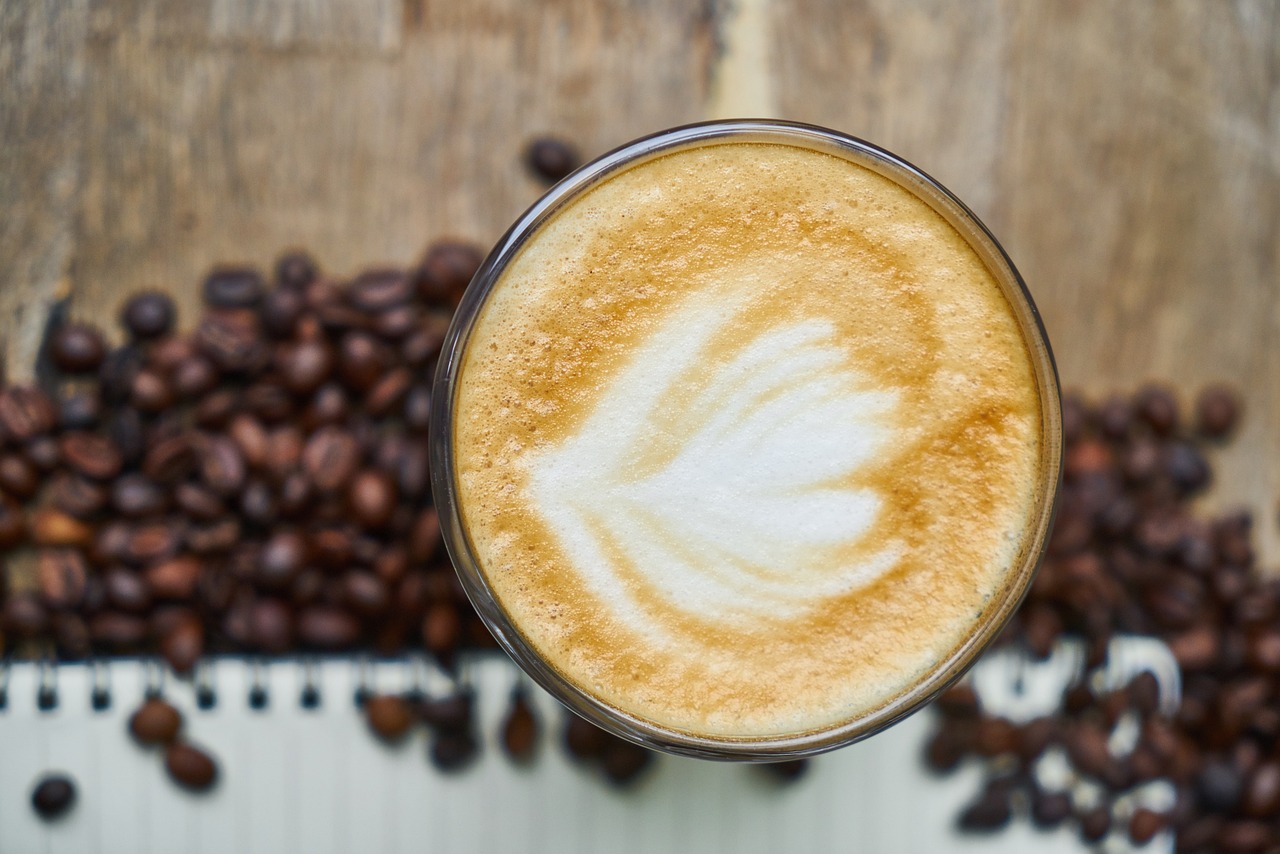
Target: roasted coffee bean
<point>198,502</point>
<point>23,616</point>
<point>365,593</point>
<point>183,645</point>
<point>232,341</point>
<point>43,453</point>
<point>271,626</point>
<point>1158,408</point>
<point>372,498</point>
<point>77,348</point>
<point>53,796</point>
<point>1240,836</point>
<point>257,504</point>
<point>377,290</point>
<point>213,537</point>
<point>1219,786</point>
<point>389,717</point>
<point>270,401</point>
<point>135,495</point>
<point>233,287</point>
<point>1050,809</point>
<point>190,767</point>
<point>1095,823</point>
<point>13,525</point>
<point>446,271</point>
<point>50,527</point>
<point>71,636</point>
<point>306,366</point>
<point>281,559</point>
<point>551,159</point>
<point>79,409</point>
<point>63,575</point>
<point>117,631</point>
<point>397,323</point>
<point>388,393</point>
<point>127,590</point>
<point>453,751</point>
<point>417,408</point>
<point>153,541</point>
<point>326,627</point>
<point>1262,792</point>
<point>520,729</point>
<point>1186,467</point>
<point>174,578</point>
<point>582,739</point>
<point>449,713</point>
<point>624,763</point>
<point>441,628</point>
<point>989,813</point>
<point>148,315</point>
<point>330,458</point>
<point>281,311</point>
<point>26,413</point>
<point>155,722</point>
<point>1218,410</point>
<point>18,477</point>
<point>421,346</point>
<point>92,455</point>
<point>295,269</point>
<point>786,772</point>
<point>424,540</point>
<point>151,392</point>
<point>115,377</point>
<point>1144,824</point>
<point>222,466</point>
<point>362,361</point>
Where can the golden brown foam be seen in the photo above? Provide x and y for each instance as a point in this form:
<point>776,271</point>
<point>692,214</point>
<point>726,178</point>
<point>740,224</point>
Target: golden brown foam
<point>916,315</point>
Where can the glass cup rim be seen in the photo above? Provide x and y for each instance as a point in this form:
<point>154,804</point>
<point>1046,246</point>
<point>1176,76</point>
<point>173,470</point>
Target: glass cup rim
<point>440,439</point>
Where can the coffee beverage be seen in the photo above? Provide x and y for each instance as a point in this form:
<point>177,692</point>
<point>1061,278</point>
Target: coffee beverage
<point>746,441</point>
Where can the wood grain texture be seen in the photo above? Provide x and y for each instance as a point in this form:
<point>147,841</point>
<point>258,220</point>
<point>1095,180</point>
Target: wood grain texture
<point>1126,152</point>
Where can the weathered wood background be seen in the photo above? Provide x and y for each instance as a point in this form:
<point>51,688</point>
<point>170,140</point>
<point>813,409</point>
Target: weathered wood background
<point>1126,152</point>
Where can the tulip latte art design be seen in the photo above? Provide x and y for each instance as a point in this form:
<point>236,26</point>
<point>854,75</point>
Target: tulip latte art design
<point>743,517</point>
<point>746,440</point>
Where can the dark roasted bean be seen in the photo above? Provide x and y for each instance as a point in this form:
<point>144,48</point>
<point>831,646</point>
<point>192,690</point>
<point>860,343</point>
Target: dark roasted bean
<point>190,767</point>
<point>295,269</point>
<point>53,796</point>
<point>520,729</point>
<point>446,271</point>
<point>155,722</point>
<point>327,628</point>
<point>389,716</point>
<point>91,455</point>
<point>63,575</point>
<point>77,348</point>
<point>26,413</point>
<point>233,287</point>
<point>551,158</point>
<point>148,315</point>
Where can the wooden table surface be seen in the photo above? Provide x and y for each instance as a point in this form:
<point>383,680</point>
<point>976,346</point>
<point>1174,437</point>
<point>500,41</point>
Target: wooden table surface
<point>1127,153</point>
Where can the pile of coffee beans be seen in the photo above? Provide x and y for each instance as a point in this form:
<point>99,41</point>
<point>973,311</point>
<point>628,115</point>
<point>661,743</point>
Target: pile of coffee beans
<point>259,484</point>
<point>1128,555</point>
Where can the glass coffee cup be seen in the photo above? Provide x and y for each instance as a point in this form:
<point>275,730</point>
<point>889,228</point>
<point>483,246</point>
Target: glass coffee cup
<point>746,440</point>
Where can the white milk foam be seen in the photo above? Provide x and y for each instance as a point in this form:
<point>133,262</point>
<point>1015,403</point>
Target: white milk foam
<point>750,516</point>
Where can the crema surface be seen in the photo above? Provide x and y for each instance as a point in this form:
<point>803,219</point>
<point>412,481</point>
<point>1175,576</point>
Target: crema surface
<point>746,440</point>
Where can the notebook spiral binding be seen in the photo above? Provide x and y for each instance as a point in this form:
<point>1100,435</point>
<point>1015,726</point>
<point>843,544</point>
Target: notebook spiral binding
<point>204,683</point>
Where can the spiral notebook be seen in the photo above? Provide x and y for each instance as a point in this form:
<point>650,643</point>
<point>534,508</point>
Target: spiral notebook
<point>307,777</point>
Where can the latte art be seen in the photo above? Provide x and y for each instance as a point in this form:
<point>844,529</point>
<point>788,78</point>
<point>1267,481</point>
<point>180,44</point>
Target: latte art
<point>745,444</point>
<point>740,507</point>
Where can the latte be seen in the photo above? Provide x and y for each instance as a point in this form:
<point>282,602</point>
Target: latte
<point>748,441</point>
